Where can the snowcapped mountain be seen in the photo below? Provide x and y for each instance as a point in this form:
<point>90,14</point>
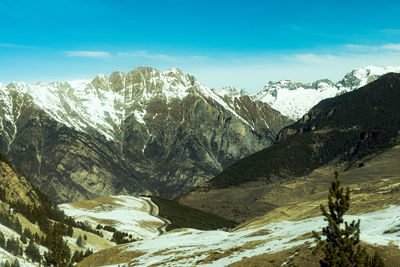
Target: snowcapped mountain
<point>142,131</point>
<point>103,103</point>
<point>294,99</point>
<point>231,91</point>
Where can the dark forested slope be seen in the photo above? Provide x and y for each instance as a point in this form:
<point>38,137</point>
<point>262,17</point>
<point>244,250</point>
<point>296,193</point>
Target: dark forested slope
<point>344,128</point>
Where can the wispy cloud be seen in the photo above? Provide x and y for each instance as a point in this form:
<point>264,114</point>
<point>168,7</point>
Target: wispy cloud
<point>308,31</point>
<point>310,58</point>
<point>391,31</point>
<point>87,53</point>
<point>16,45</point>
<point>390,47</point>
<point>159,57</point>
<point>7,45</point>
<point>145,54</point>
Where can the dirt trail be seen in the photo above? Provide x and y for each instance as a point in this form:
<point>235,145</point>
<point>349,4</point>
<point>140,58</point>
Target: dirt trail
<point>163,228</point>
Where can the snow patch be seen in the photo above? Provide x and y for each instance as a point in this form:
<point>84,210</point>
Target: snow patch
<point>127,213</point>
<point>269,238</point>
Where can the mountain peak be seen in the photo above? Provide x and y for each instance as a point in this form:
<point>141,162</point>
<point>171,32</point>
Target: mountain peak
<point>231,91</point>
<point>174,71</point>
<point>162,131</point>
<point>294,99</point>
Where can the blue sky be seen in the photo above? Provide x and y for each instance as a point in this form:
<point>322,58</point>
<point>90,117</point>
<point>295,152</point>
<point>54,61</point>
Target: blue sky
<point>240,43</point>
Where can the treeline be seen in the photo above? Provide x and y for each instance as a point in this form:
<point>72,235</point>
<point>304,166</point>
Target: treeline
<point>117,237</point>
<point>44,213</point>
<point>14,247</point>
<point>51,221</point>
<point>59,253</point>
<point>11,222</point>
<point>6,263</point>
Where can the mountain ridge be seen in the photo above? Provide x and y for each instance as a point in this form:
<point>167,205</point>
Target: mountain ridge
<point>334,127</point>
<point>343,133</point>
<point>141,132</point>
<point>294,98</point>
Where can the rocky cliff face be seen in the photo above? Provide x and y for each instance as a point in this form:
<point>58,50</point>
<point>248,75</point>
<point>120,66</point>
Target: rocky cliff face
<point>144,131</point>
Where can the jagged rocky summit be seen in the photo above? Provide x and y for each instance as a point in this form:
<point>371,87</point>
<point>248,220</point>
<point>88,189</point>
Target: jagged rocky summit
<point>141,132</point>
<point>294,99</point>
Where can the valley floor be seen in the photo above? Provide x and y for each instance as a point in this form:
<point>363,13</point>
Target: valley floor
<point>283,235</point>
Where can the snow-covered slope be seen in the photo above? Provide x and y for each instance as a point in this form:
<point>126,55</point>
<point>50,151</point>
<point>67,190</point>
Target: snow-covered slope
<point>133,215</point>
<point>189,247</point>
<point>294,99</point>
<point>7,256</point>
<point>231,91</point>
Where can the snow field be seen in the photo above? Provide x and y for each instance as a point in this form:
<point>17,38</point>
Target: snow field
<point>128,214</point>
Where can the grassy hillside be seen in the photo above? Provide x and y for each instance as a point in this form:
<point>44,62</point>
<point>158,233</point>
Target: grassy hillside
<point>347,127</point>
<point>37,223</point>
<point>182,216</point>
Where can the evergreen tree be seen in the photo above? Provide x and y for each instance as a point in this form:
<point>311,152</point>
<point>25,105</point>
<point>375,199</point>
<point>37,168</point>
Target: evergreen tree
<point>13,246</point>
<point>33,252</point>
<point>6,264</point>
<point>341,246</point>
<point>70,230</point>
<point>60,253</point>
<point>23,238</point>
<point>27,232</point>
<point>18,226</point>
<point>79,241</point>
<point>15,263</point>
<point>36,238</point>
<point>88,253</point>
<point>2,240</point>
<point>77,257</point>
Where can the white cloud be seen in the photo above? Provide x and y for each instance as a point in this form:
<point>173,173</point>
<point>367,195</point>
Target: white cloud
<point>15,45</point>
<point>145,54</point>
<point>372,48</point>
<point>311,58</point>
<point>7,45</point>
<point>391,47</point>
<point>87,54</point>
<point>161,57</point>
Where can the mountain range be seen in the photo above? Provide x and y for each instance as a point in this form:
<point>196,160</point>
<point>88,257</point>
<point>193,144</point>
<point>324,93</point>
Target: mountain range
<point>342,132</point>
<point>147,131</point>
<point>164,133</point>
<point>294,99</point>
<point>141,132</point>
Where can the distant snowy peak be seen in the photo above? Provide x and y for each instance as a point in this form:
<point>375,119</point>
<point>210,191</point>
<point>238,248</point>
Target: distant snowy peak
<point>144,83</point>
<point>294,99</point>
<point>231,91</point>
<point>362,76</point>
